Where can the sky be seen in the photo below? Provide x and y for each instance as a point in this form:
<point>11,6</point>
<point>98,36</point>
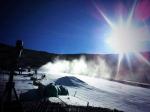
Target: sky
<point>66,26</point>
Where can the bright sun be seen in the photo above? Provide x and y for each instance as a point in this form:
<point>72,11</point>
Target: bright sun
<point>125,35</point>
<point>124,38</point>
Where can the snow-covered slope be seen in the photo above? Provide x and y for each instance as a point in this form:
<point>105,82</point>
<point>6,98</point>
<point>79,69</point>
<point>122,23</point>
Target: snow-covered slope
<point>69,81</point>
<point>104,93</point>
<point>97,92</point>
<point>68,100</point>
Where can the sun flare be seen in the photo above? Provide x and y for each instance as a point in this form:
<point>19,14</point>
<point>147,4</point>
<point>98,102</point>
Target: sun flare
<point>126,36</point>
<point>124,39</point>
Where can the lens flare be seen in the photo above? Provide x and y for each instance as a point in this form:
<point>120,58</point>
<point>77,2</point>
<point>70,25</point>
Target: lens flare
<point>126,37</point>
<point>118,65</point>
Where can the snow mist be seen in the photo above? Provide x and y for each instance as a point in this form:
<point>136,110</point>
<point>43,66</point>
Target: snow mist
<point>81,66</point>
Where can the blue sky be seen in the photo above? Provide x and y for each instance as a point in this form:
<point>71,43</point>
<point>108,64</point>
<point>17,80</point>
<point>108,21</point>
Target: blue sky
<point>59,26</point>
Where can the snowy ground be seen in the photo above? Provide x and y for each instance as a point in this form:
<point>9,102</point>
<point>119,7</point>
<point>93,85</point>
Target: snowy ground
<point>98,92</point>
<point>104,93</point>
<point>69,100</point>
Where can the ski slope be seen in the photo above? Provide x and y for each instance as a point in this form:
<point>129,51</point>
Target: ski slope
<point>95,92</point>
<point>109,94</point>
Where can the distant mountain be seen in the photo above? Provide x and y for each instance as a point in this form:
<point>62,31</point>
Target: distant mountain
<point>36,59</point>
<point>30,58</point>
<point>137,70</point>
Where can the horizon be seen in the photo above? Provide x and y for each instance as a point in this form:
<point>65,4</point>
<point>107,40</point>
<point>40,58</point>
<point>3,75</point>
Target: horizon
<point>80,53</point>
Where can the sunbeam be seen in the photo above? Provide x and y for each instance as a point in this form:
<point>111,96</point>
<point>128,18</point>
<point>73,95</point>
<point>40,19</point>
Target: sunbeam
<point>129,62</point>
<point>126,37</point>
<point>120,57</point>
<point>140,57</point>
<point>105,17</point>
<point>129,20</point>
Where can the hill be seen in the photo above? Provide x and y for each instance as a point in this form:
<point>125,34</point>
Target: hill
<point>36,59</point>
<point>137,70</point>
<point>69,81</point>
<point>29,57</point>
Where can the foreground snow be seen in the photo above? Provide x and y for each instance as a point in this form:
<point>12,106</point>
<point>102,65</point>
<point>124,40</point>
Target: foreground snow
<point>98,92</point>
<point>69,100</point>
<point>109,94</point>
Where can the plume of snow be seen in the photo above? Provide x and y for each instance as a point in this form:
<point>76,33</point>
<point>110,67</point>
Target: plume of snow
<point>79,66</point>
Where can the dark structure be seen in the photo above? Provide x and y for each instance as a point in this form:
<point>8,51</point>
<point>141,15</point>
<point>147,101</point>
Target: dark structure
<point>7,102</point>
